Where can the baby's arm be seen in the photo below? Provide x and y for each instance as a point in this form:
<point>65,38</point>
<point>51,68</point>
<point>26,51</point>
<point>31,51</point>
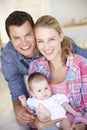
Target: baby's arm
<point>69,109</point>
<point>43,113</point>
<point>22,98</point>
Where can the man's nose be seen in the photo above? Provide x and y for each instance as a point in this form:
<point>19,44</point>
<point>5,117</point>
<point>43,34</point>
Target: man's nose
<point>23,40</point>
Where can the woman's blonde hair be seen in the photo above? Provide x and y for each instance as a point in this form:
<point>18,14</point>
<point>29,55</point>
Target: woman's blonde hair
<point>51,22</point>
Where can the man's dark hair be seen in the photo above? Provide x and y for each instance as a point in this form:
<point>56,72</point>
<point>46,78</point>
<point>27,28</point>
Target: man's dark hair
<point>17,18</point>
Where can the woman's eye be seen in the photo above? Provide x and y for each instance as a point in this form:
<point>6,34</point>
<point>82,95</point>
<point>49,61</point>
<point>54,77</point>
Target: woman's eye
<point>52,39</point>
<point>39,41</point>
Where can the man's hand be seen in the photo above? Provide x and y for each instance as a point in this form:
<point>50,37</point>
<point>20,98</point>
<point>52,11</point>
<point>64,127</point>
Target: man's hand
<point>24,115</point>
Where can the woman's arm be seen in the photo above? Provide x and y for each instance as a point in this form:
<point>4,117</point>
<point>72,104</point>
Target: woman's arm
<point>52,123</point>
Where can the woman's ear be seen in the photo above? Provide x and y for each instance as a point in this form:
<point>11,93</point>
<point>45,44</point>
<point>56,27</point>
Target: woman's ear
<point>61,36</point>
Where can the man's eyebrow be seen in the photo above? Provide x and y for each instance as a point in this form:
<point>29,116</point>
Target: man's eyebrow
<point>15,36</point>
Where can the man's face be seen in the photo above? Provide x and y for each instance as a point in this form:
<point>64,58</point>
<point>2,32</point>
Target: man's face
<point>23,39</point>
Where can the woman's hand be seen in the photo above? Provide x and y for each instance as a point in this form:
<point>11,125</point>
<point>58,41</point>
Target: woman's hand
<point>80,126</point>
<point>52,123</point>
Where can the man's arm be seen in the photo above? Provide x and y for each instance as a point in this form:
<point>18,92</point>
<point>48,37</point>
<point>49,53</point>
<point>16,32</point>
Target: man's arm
<point>23,114</point>
<point>78,50</point>
<point>15,79</point>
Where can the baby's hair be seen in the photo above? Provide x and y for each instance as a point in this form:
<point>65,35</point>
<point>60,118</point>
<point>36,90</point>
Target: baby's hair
<point>36,77</point>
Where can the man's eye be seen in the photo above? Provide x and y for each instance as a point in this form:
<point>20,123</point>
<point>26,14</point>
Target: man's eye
<point>16,38</point>
<point>28,34</point>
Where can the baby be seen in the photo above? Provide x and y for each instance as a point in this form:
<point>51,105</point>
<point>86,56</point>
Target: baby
<point>46,105</point>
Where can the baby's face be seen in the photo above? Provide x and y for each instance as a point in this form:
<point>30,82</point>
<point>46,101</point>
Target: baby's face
<point>41,90</point>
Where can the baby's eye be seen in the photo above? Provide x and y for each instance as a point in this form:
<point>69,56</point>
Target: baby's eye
<point>46,88</point>
<point>28,34</point>
<point>39,90</point>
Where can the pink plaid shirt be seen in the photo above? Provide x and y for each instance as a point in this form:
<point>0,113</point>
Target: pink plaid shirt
<point>76,78</point>
<point>77,81</point>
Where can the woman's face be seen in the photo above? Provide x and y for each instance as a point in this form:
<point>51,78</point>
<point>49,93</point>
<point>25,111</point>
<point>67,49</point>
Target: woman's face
<point>48,42</point>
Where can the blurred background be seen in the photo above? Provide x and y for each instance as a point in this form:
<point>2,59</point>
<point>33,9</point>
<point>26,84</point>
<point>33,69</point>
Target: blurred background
<point>66,11</point>
<point>71,14</point>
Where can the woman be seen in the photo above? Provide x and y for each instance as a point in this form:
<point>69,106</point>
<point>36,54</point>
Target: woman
<point>69,71</point>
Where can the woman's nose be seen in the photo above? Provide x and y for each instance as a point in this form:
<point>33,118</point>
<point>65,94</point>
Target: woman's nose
<point>46,45</point>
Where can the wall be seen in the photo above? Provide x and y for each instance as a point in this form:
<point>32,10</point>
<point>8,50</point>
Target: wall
<point>63,10</point>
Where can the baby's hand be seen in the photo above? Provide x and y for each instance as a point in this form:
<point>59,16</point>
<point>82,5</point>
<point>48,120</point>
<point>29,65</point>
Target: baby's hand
<point>22,98</point>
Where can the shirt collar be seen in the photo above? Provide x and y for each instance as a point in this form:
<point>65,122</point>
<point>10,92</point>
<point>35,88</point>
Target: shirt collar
<point>21,57</point>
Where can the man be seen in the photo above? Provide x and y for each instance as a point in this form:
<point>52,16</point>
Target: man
<point>16,56</point>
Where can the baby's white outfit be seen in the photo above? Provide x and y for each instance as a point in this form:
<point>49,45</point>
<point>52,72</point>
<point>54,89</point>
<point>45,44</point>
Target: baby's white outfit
<point>53,104</point>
